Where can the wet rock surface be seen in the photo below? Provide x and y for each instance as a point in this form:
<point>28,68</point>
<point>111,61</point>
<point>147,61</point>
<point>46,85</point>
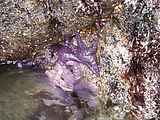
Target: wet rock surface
<point>27,28</point>
<point>128,50</point>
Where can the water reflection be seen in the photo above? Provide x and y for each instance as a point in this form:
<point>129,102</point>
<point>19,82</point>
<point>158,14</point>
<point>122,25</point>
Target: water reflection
<point>21,93</point>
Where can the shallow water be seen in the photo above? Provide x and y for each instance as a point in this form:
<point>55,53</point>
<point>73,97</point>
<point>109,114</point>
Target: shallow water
<point>18,99</point>
<point>21,94</point>
<point>16,88</point>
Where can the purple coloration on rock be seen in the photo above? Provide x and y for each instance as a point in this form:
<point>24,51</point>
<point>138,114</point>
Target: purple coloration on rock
<point>24,64</point>
<point>84,85</point>
<point>70,80</point>
<point>65,76</point>
<point>59,97</point>
<point>80,53</point>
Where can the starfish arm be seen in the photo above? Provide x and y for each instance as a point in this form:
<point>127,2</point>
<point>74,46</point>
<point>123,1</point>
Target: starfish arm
<point>94,68</point>
<point>84,85</point>
<point>81,53</point>
<point>68,78</point>
<point>92,48</point>
<point>68,39</point>
<point>90,61</point>
<point>68,57</point>
<point>76,69</point>
<point>55,48</point>
<point>80,43</point>
<point>67,54</point>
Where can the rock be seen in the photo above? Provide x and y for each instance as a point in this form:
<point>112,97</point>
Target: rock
<point>27,28</point>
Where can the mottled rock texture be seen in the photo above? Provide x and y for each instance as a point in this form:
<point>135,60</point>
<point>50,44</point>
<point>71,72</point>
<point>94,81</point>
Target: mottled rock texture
<point>27,27</point>
<point>128,49</point>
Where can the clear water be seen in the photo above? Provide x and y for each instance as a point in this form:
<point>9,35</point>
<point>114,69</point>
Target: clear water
<point>21,94</point>
<point>20,97</point>
<point>16,88</point>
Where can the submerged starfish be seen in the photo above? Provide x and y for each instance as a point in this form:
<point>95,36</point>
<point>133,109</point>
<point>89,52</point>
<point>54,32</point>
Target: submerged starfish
<point>70,82</point>
<point>79,53</point>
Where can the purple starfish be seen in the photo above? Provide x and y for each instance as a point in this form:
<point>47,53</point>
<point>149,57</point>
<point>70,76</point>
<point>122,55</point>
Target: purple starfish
<point>65,76</point>
<point>71,81</point>
<point>80,53</point>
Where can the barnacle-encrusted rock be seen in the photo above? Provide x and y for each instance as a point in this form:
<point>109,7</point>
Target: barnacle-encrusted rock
<point>26,28</point>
